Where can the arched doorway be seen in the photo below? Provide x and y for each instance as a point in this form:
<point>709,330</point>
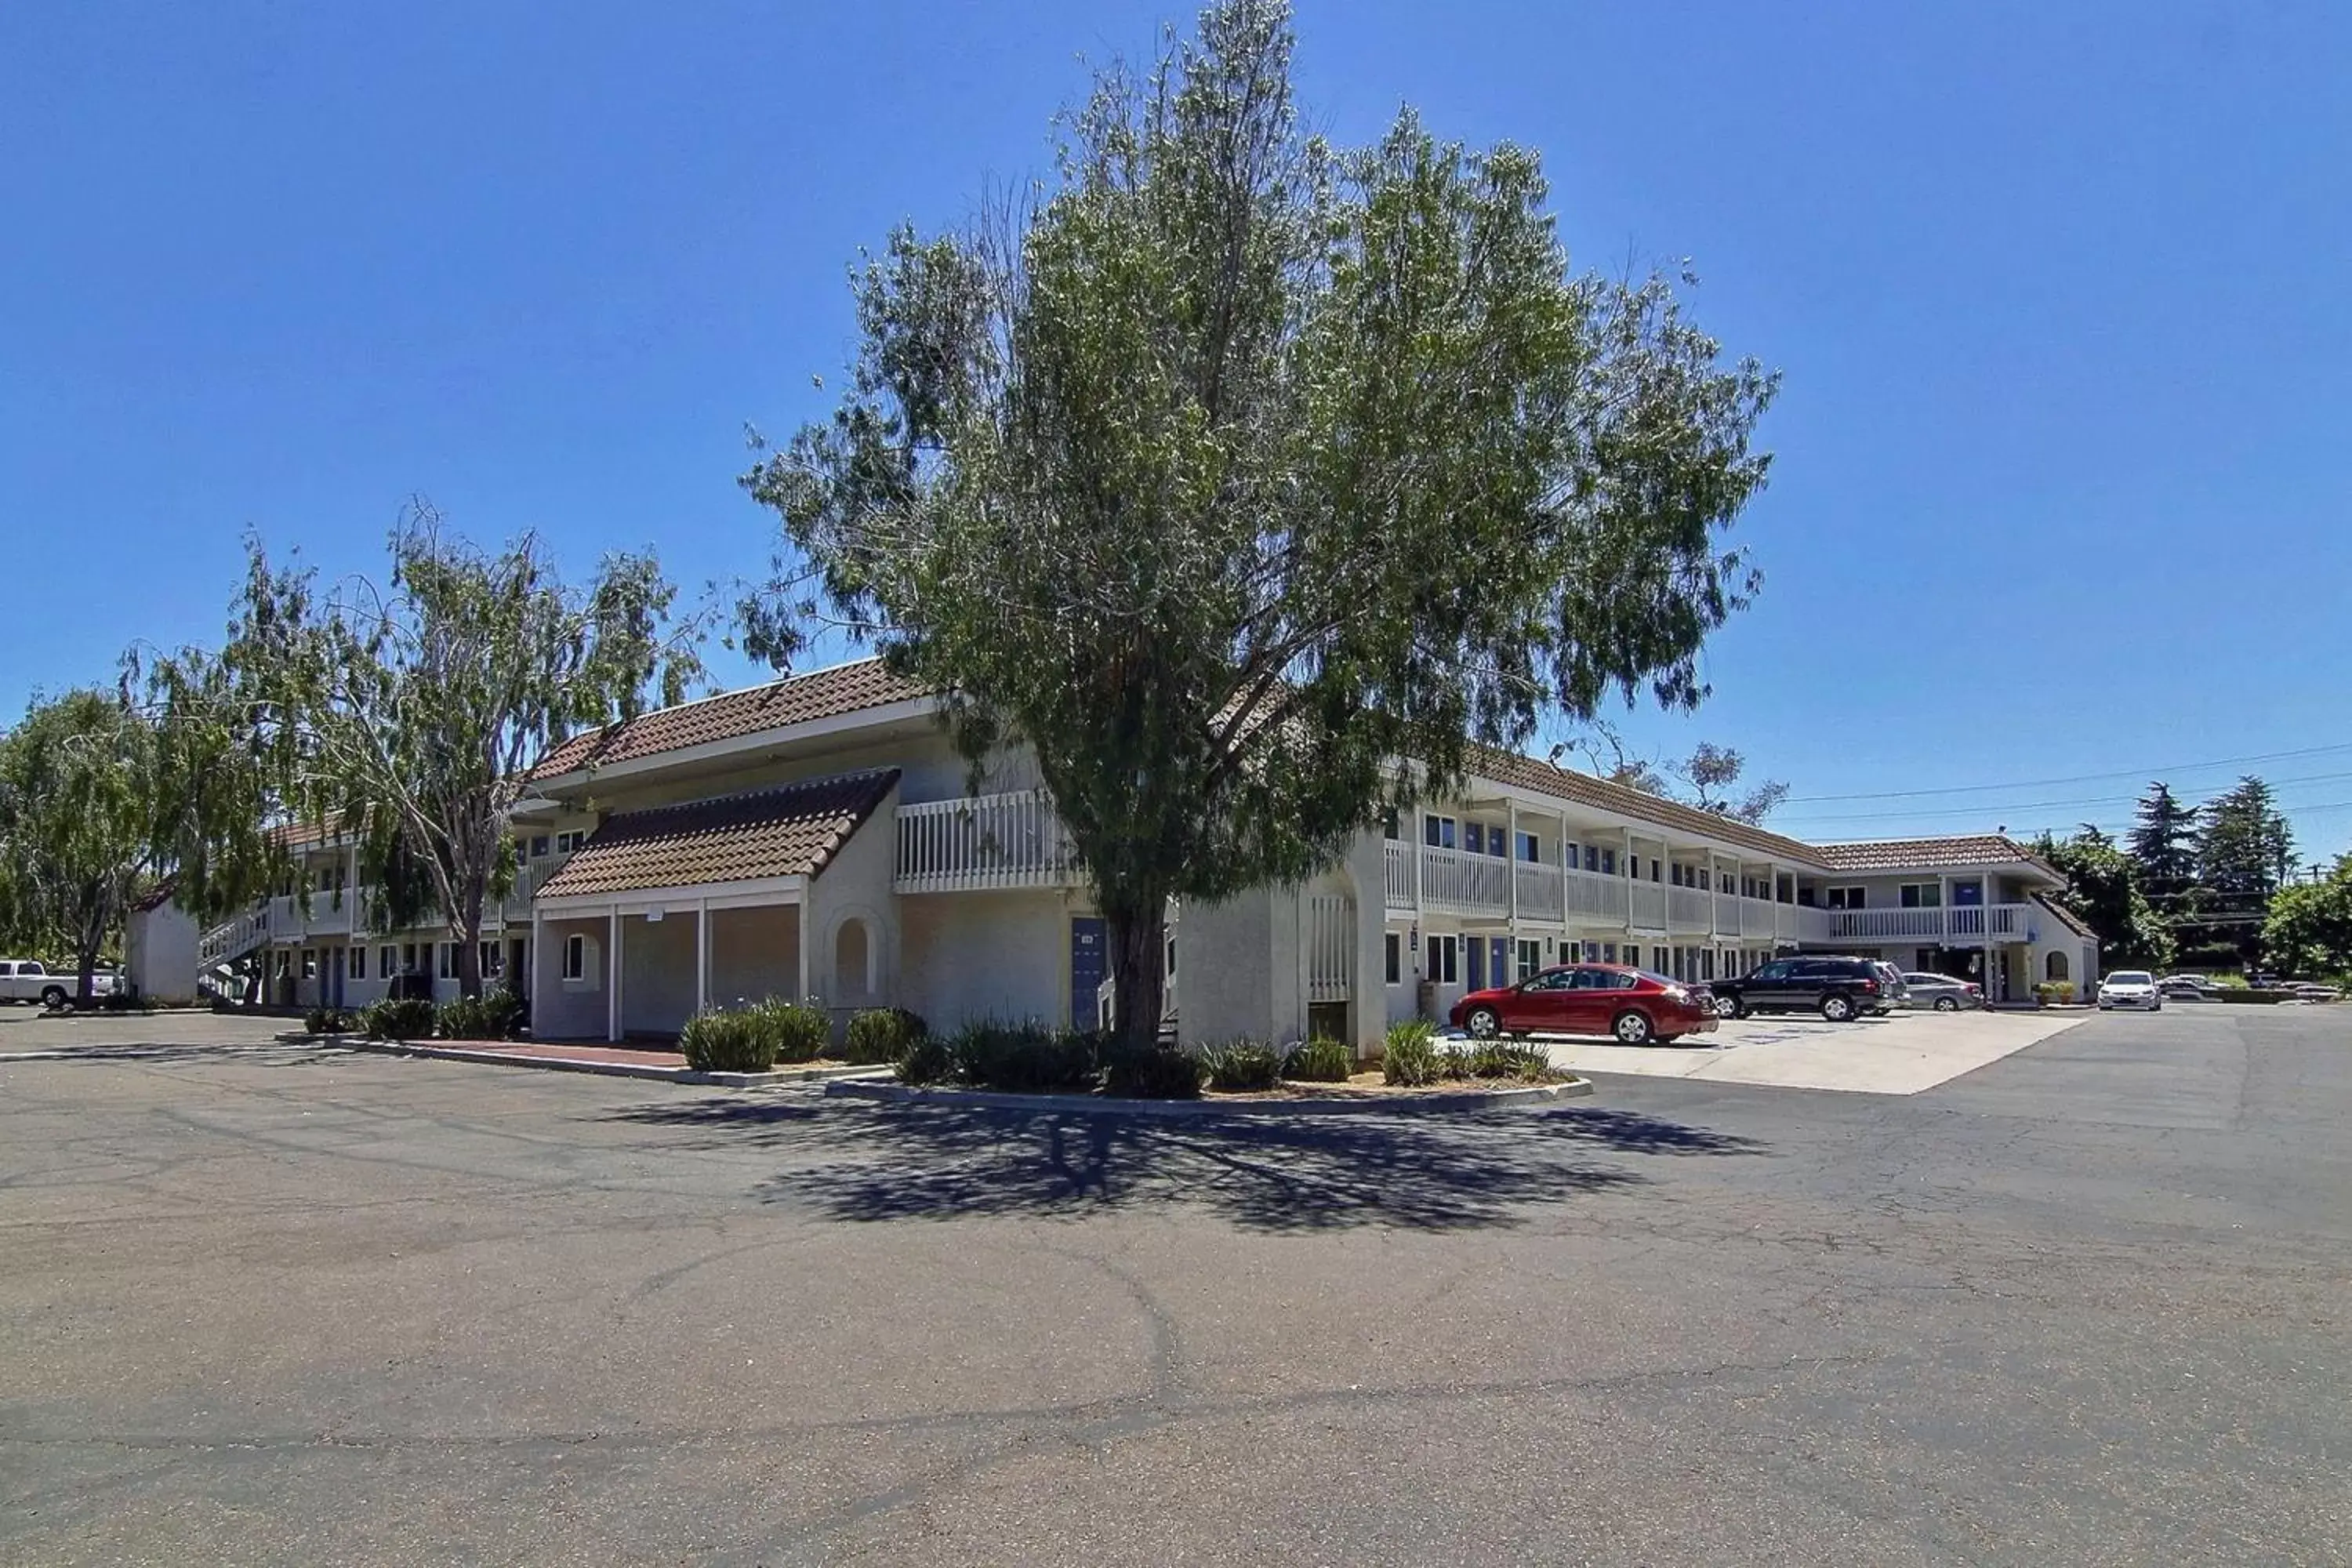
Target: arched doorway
<point>853,964</point>
<point>2053,967</point>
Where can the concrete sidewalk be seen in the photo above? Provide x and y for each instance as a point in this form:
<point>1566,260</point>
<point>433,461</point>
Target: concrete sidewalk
<point>1902,1054</point>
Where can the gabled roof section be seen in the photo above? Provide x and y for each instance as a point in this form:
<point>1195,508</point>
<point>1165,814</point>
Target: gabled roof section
<point>1564,784</point>
<point>788,831</point>
<point>2066,917</point>
<point>1914,854</point>
<point>732,715</point>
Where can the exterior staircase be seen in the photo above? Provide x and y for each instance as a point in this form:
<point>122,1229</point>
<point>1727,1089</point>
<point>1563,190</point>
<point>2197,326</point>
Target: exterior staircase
<point>224,966</point>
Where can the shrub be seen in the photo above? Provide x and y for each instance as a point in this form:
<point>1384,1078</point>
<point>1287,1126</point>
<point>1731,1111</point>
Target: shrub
<point>326,1021</point>
<point>1320,1060</point>
<point>1410,1057</point>
<point>882,1035</point>
<point>1024,1058</point>
<point>1499,1060</point>
<point>398,1018</point>
<point>927,1060</point>
<point>498,1015</point>
<point>800,1030</point>
<point>1162,1072</point>
<point>1243,1066</point>
<point>736,1040</point>
<point>2051,990</point>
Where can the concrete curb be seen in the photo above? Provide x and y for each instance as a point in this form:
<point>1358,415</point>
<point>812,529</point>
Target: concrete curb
<point>783,1078</point>
<point>1103,1105</point>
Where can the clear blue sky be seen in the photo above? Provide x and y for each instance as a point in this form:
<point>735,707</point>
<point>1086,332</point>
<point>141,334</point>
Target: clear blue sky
<point>2060,293</point>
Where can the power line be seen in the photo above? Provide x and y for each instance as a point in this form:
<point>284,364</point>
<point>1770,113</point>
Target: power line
<point>2147,773</point>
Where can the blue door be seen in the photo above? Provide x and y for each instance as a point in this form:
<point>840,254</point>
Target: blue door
<point>1498,961</point>
<point>1089,965</point>
<point>1476,959</point>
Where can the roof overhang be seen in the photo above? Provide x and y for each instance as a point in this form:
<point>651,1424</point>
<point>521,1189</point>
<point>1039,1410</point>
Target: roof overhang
<point>738,747</point>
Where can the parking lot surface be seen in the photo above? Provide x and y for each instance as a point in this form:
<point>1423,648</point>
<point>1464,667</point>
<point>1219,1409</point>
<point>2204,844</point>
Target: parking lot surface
<point>2089,1304</point>
<point>1897,1053</point>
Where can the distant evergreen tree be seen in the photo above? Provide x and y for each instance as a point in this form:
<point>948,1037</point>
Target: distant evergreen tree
<point>2163,841</point>
<point>2242,858</point>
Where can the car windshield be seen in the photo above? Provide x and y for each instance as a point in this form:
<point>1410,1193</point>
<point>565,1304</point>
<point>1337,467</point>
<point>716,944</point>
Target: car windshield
<point>2130,977</point>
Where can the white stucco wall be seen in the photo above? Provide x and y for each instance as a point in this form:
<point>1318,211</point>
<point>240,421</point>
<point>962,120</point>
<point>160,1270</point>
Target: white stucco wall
<point>1225,969</point>
<point>569,1009</point>
<point>657,972</point>
<point>755,953</point>
<point>856,885</point>
<point>968,956</point>
<point>159,954</point>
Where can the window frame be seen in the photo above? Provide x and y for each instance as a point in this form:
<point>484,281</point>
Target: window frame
<point>574,964</point>
<point>1392,957</point>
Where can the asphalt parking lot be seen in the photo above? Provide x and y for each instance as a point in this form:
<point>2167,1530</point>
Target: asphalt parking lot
<point>2088,1304</point>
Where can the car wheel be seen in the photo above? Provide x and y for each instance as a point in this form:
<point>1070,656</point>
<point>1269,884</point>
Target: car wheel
<point>1483,1024</point>
<point>1947,1004</point>
<point>1633,1028</point>
<point>1837,1009</point>
<point>54,997</point>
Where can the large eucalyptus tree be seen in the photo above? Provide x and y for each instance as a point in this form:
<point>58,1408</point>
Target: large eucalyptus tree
<point>1228,467</point>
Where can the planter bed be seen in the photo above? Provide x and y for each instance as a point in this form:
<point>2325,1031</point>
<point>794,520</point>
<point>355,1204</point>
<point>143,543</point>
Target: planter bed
<point>1365,1091</point>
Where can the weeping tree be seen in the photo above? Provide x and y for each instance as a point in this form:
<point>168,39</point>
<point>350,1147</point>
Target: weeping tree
<point>407,713</point>
<point>78,827</point>
<point>1228,468</point>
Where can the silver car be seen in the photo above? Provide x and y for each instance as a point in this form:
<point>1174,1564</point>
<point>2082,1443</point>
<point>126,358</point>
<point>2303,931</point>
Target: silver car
<point>2130,988</point>
<point>1941,991</point>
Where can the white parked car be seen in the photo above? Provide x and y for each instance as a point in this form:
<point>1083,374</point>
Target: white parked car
<point>2130,988</point>
<point>29,980</point>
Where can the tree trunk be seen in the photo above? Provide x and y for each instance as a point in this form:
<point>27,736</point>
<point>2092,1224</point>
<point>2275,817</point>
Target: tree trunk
<point>1138,974</point>
<point>466,924</point>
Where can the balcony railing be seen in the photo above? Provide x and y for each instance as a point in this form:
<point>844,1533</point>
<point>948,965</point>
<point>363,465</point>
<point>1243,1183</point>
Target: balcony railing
<point>1541,897</point>
<point>315,914</point>
<point>1969,923</point>
<point>1396,872</point>
<point>1689,910</point>
<point>1012,840</point>
<point>1648,907</point>
<point>1592,896</point>
<point>1453,881</point>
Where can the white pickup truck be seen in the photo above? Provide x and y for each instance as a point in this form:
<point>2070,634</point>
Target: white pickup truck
<point>27,980</point>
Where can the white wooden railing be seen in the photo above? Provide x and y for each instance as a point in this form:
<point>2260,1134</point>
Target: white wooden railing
<point>1330,948</point>
<point>1458,882</point>
<point>1396,872</point>
<point>1647,909</point>
<point>1688,909</point>
<point>1757,917</point>
<point>1727,913</point>
<point>312,914</point>
<point>1600,898</point>
<point>234,938</point>
<point>1541,897</point>
<point>1962,922</point>
<point>1012,840</point>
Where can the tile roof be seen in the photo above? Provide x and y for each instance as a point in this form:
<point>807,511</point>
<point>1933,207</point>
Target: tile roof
<point>787,832</point>
<point>1548,778</point>
<point>1905,853</point>
<point>801,698</point>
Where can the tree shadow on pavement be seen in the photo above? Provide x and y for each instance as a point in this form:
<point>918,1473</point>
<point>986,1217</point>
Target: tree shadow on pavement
<point>853,1162</point>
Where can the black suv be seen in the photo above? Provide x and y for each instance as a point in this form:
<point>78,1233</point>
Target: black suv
<point>1839,989</point>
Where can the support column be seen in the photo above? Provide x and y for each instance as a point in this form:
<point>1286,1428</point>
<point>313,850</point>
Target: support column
<point>527,982</point>
<point>808,937</point>
<point>613,975</point>
<point>1511,868</point>
<point>702,956</point>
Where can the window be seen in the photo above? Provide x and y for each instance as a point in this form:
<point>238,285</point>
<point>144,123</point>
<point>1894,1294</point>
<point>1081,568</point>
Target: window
<point>1845,898</point>
<point>566,842</point>
<point>1527,851</point>
<point>387,961</point>
<point>309,963</point>
<point>1444,958</point>
<point>448,959</point>
<point>1395,957</point>
<point>1498,843</point>
<point>326,878</point>
<point>1473,838</point>
<point>1676,877</point>
<point>1966,893</point>
<point>408,958</point>
<point>1609,951</point>
<point>1922,895</point>
<point>1556,980</point>
<point>1172,955</point>
<point>1592,952</point>
<point>538,846</point>
<point>1654,876</point>
<point>493,962</point>
<point>1391,828</point>
<point>2054,966</point>
<point>1438,830</point>
<point>356,960</point>
<point>1706,964</point>
<point>1530,959</point>
<point>576,957</point>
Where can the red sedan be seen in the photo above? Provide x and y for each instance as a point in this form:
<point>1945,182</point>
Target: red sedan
<point>1631,1005</point>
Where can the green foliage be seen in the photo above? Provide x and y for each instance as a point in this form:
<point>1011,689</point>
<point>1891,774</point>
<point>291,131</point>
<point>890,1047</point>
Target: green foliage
<point>802,1030</point>
<point>1410,1056</point>
<point>2163,842</point>
<point>408,715</point>
<point>2243,859</point>
<point>2053,992</point>
<point>1162,1072</point>
<point>881,1035</point>
<point>927,1060</point>
<point>79,835</point>
<point>405,1018</point>
<point>1498,1059</point>
<point>739,1039</point>
<point>2103,891</point>
<point>1026,1058</point>
<point>1320,1060</point>
<point>1228,408</point>
<point>328,1021</point>
<point>2309,928</point>
<point>499,1014</point>
<point>1240,1066</point>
